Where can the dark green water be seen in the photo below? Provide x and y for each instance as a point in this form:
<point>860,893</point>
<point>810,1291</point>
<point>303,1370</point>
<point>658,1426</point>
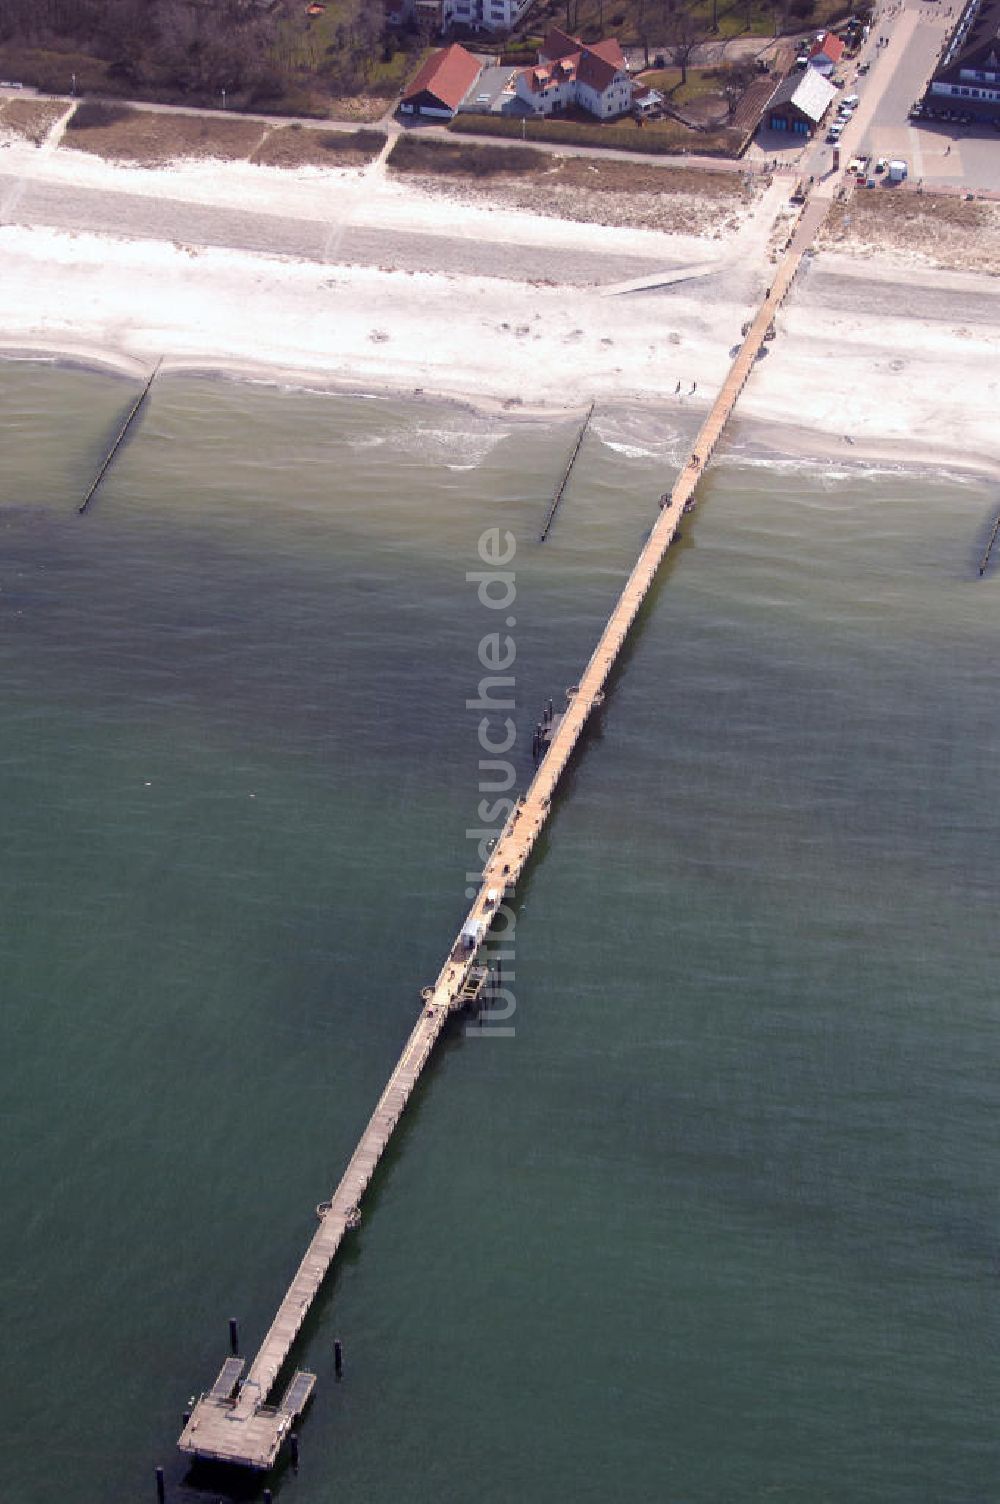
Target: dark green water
<point>719,1222</point>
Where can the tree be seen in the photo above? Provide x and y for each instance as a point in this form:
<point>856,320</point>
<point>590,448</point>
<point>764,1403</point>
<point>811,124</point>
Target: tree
<point>735,79</point>
<point>685,32</point>
<point>641,18</point>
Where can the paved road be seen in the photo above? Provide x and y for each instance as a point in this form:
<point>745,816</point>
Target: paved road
<point>140,216</point>
<point>873,300</point>
<point>957,157</point>
<point>394,127</point>
<point>331,242</point>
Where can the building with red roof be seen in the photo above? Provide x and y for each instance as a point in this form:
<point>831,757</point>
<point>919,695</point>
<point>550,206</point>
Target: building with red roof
<point>568,72</point>
<point>826,52</point>
<point>442,83</point>
<point>557,45</point>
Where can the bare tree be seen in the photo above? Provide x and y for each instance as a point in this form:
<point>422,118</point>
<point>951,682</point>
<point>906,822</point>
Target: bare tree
<point>736,78</point>
<point>641,26</point>
<point>685,32</point>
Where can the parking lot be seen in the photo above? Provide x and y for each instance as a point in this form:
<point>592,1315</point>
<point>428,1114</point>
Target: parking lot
<point>492,94</point>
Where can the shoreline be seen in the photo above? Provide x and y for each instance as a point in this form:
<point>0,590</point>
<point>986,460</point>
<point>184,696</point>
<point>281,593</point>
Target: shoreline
<point>349,283</point>
<point>750,439</point>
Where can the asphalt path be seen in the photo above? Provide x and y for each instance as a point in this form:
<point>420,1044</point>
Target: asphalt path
<point>329,242</point>
<point>874,300</point>
<point>140,216</point>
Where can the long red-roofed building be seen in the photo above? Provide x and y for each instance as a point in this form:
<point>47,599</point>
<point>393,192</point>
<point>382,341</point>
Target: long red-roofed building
<point>442,83</point>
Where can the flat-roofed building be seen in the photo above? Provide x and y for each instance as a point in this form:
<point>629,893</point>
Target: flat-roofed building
<point>967,79</point>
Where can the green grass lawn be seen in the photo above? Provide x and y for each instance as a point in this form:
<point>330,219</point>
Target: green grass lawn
<point>700,81</point>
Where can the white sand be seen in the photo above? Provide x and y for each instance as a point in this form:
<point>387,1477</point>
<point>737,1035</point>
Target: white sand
<point>856,354</point>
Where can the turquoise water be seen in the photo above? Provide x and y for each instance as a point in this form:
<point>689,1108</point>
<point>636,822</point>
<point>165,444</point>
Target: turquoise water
<point>719,1221</point>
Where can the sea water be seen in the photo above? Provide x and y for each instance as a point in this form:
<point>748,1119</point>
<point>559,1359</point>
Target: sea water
<point>717,1220</point>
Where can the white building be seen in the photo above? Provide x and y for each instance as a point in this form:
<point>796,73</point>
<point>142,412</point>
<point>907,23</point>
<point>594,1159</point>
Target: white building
<point>968,77</point>
<point>481,15</point>
<point>490,15</point>
<point>569,73</point>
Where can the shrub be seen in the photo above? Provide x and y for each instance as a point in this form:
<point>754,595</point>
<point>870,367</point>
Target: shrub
<point>410,154</point>
<point>363,143</point>
<point>97,112</point>
<point>666,139</point>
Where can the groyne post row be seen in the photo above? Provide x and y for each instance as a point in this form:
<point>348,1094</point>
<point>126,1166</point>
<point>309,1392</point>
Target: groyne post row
<point>557,498</point>
<point>238,1424</point>
<point>133,413</point>
<point>984,562</point>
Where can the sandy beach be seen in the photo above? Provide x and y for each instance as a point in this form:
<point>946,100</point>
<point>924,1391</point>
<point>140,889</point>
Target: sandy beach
<point>360,280</point>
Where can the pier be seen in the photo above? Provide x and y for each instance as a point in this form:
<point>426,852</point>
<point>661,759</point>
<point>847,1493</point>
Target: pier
<point>236,1421</point>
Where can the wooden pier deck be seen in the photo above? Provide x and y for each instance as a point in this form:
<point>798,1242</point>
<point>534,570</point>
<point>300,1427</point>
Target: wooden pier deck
<point>237,1424</point>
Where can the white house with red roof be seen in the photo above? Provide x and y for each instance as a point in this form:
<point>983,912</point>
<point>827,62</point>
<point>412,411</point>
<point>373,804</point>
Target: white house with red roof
<point>826,52</point>
<point>442,83</point>
<point>569,72</point>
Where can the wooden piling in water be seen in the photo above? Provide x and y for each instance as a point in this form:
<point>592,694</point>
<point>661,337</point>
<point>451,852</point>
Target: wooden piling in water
<point>985,560</point>
<point>119,440</point>
<point>557,498</point>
